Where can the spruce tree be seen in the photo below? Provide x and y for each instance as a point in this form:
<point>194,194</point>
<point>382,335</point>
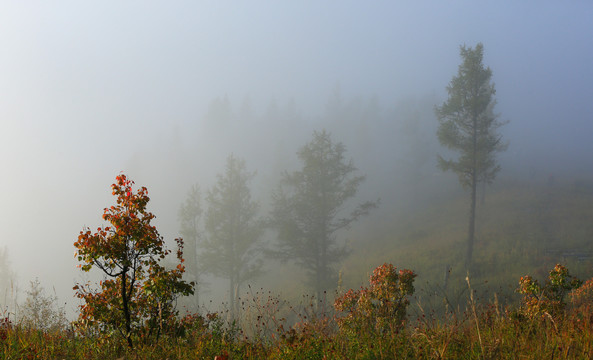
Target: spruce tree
<point>468,125</point>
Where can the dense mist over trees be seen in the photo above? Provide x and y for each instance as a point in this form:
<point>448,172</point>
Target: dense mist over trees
<point>165,92</point>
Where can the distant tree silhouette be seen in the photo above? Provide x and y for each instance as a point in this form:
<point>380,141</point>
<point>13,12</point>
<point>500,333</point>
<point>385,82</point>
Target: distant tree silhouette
<point>190,220</point>
<point>468,125</point>
<point>233,230</point>
<point>307,209</point>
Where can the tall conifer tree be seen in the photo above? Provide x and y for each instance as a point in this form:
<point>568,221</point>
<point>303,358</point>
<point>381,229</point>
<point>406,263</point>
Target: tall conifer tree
<point>468,125</point>
<point>309,209</point>
<point>232,229</point>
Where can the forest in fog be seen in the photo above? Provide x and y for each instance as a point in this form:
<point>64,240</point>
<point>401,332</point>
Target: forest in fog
<point>435,144</point>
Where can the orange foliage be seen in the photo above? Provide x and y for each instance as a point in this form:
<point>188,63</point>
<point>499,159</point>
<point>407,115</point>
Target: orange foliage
<point>139,292</point>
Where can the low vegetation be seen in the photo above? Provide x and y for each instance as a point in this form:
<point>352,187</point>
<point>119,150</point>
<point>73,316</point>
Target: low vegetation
<point>554,320</point>
<point>519,303</point>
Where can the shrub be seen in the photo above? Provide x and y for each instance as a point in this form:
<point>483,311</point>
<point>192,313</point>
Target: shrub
<point>41,311</point>
<point>379,308</point>
<point>583,296</point>
<point>548,298</point>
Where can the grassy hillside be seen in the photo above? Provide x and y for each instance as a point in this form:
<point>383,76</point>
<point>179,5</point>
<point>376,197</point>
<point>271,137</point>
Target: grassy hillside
<point>522,228</point>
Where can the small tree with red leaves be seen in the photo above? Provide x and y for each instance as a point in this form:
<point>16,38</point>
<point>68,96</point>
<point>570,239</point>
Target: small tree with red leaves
<point>137,291</point>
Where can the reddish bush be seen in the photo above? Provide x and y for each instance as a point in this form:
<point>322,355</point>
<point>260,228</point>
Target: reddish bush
<point>548,298</point>
<point>382,306</point>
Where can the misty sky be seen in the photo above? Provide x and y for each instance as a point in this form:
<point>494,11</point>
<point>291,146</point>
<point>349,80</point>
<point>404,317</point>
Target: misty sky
<point>87,91</point>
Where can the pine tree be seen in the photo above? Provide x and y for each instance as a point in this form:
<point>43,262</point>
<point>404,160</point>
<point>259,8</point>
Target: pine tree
<point>468,125</point>
<point>233,230</point>
<point>308,210</point>
<point>190,220</point>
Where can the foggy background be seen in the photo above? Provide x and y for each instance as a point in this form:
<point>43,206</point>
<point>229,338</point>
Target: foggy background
<point>166,91</point>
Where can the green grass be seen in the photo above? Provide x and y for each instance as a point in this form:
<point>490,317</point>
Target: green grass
<point>515,226</point>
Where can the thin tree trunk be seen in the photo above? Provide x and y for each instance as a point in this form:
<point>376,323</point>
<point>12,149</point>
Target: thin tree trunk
<point>483,197</point>
<point>237,302</point>
<point>232,297</point>
<point>471,229</point>
<point>126,306</point>
<point>318,283</point>
<point>324,276</point>
<point>197,279</point>
<point>472,209</point>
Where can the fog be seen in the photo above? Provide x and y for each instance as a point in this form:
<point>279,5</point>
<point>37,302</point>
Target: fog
<point>164,92</point>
